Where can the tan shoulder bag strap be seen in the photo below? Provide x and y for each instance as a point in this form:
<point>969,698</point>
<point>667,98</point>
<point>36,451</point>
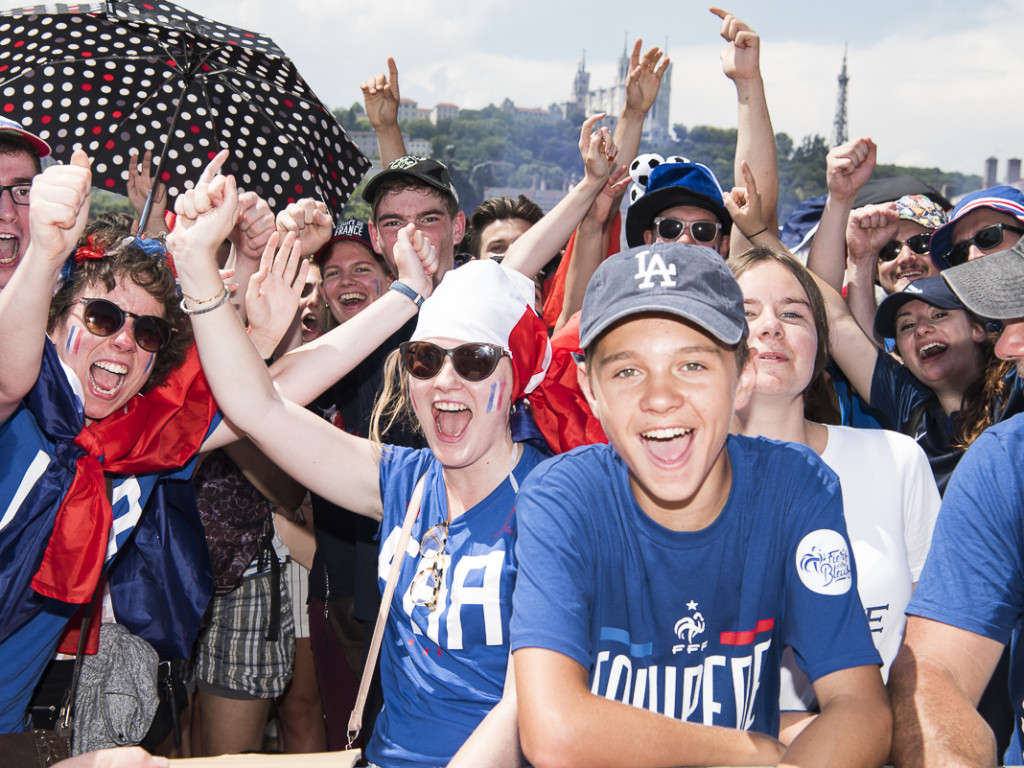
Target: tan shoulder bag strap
<point>355,721</point>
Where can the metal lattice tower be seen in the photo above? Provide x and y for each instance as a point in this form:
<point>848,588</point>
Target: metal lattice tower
<point>839,128</point>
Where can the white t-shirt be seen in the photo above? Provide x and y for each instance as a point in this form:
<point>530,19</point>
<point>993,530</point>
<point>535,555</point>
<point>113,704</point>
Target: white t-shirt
<point>890,502</point>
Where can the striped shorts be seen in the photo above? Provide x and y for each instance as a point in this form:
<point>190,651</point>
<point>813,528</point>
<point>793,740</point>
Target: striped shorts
<point>233,658</point>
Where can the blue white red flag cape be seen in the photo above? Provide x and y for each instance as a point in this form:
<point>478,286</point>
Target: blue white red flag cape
<point>57,519</point>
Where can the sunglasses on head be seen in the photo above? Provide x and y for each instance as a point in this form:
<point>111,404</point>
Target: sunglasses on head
<point>473,362</point>
<point>919,244</point>
<point>105,318</point>
<point>672,229</point>
<point>986,239</point>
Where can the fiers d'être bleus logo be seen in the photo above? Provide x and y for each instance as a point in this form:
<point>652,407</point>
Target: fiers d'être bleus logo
<point>823,562</point>
<point>688,629</point>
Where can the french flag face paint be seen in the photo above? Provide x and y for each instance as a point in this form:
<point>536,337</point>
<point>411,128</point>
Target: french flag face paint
<point>494,394</point>
<point>74,340</point>
<point>149,364</point>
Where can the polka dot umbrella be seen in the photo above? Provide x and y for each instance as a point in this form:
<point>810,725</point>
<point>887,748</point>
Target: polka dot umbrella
<point>147,74</point>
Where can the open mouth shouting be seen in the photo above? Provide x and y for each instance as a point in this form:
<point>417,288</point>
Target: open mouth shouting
<point>310,322</point>
<point>451,419</point>
<point>107,377</point>
<point>10,249</point>
<point>667,445</point>
<point>931,350</point>
<point>352,299</point>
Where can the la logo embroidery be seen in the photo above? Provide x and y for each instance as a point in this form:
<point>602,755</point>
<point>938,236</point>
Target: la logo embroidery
<point>656,267</point>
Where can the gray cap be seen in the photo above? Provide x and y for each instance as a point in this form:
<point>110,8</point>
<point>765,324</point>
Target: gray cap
<point>689,281</point>
<point>992,286</point>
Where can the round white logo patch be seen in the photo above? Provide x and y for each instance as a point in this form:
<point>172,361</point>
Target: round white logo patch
<point>823,562</point>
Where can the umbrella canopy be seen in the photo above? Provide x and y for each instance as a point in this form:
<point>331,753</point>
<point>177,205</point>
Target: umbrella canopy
<point>146,74</point>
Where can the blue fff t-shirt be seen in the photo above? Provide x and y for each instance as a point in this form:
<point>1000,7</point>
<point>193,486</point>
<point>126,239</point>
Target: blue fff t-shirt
<point>690,624</point>
<point>974,575</point>
<point>442,671</point>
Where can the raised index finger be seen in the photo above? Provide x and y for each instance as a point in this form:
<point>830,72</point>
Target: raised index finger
<point>211,170</point>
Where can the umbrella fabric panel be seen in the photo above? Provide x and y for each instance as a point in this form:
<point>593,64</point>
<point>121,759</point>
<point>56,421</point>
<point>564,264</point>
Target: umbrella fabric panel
<point>109,81</point>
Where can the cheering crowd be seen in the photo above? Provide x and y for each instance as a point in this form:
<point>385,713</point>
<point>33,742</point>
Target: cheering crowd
<point>639,486</point>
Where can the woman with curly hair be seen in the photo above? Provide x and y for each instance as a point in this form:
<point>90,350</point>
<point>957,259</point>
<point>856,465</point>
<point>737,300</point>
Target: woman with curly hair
<point>100,400</point>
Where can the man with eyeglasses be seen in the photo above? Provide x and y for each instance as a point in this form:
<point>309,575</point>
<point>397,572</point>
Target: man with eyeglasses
<point>682,202</point>
<point>20,152</point>
<point>983,222</point>
<point>969,601</point>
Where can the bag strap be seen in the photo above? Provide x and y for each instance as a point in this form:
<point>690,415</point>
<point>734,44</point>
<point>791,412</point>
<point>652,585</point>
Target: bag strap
<point>355,721</point>
<point>67,704</point>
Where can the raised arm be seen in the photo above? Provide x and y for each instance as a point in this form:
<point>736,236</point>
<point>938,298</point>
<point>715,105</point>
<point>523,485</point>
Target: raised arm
<point>869,228</point>
<point>744,206</point>
<point>289,435</point>
<point>642,86</point>
<point>381,99</point>
<point>140,182</point>
<point>543,240</point>
<point>311,222</point>
<point>755,138</point>
<point>852,349</point>
<point>591,245</point>
<point>248,239</point>
<point>848,168</point>
<point>562,723</point>
<point>59,207</point>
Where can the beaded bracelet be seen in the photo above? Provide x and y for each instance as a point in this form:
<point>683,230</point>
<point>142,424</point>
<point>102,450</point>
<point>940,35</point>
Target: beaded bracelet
<point>408,292</point>
<point>221,299</point>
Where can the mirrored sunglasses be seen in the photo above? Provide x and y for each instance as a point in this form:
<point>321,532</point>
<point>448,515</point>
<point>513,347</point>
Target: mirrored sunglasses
<point>473,362</point>
<point>986,239</point>
<point>700,231</point>
<point>919,244</point>
<point>105,318</point>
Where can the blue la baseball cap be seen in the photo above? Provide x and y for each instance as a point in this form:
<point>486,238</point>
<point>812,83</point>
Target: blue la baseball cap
<point>1002,198</point>
<point>689,281</point>
<point>672,184</point>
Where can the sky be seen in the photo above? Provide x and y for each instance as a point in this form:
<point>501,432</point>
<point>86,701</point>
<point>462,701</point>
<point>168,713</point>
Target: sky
<point>932,83</point>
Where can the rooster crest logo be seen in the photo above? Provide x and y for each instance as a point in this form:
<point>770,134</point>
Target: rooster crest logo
<point>690,627</point>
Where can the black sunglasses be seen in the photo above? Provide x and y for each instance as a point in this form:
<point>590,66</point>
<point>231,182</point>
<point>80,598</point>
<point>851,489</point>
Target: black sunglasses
<point>105,318</point>
<point>672,229</point>
<point>919,244</point>
<point>473,362</point>
<point>986,239</point>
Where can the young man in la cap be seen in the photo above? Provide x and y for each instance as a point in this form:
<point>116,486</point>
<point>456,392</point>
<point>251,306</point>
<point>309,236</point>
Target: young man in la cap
<point>969,602</point>
<point>20,152</point>
<point>668,569</point>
